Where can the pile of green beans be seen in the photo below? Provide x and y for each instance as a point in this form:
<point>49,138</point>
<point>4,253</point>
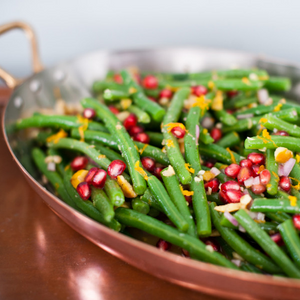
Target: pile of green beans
<point>175,186</point>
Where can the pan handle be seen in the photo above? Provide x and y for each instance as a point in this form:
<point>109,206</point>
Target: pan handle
<point>37,66</point>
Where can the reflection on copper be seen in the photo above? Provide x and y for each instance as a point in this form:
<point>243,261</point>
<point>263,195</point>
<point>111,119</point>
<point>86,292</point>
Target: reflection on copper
<point>41,245</point>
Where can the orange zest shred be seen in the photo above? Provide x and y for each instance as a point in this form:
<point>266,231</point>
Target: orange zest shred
<point>132,90</point>
<point>125,103</point>
<point>137,148</point>
<point>56,137</point>
<point>211,85</point>
<point>293,200</point>
<point>187,166</point>
<point>67,167</point>
<point>282,155</point>
<point>208,175</point>
<point>140,170</point>
<point>261,168</point>
<point>101,156</point>
<point>259,221</point>
<point>297,186</point>
<point>205,131</point>
<point>263,77</point>
<point>246,80</point>
<point>170,126</point>
<point>83,127</point>
<point>170,143</point>
<point>277,107</point>
<point>163,150</point>
<point>276,176</point>
<point>186,192</point>
<point>297,158</point>
<point>269,185</point>
<point>143,149</point>
<point>263,120</point>
<point>217,103</point>
<point>126,187</point>
<point>203,103</point>
<point>231,155</point>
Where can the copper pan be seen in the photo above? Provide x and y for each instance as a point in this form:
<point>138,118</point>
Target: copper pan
<point>74,79</point>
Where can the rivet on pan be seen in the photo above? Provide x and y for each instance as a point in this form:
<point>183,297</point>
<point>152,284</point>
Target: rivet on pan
<point>35,86</point>
<point>18,102</point>
<point>59,75</point>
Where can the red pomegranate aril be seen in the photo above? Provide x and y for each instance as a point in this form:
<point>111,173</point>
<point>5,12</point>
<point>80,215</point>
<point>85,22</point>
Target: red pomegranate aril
<point>285,183</point>
<point>152,99</point>
<point>130,121</point>
<point>135,130</point>
<point>78,163</point>
<point>213,244</point>
<point>230,111</point>
<point>258,188</point>
<point>188,199</point>
<point>90,175</point>
<point>116,168</point>
<point>163,245</point>
<point>113,109</point>
<point>178,132</point>
<point>246,163</point>
<point>99,179</point>
<point>232,94</point>
<point>230,196</point>
<point>265,176</point>
<point>185,253</point>
<point>157,171</point>
<point>142,137</point>
<point>230,185</point>
<point>165,93</point>
<point>118,78</point>
<point>216,134</point>
<point>255,169</point>
<point>199,90</point>
<point>232,170</point>
<point>256,158</point>
<point>213,184</point>
<point>89,113</point>
<point>277,238</point>
<point>150,82</point>
<point>84,190</point>
<point>282,133</point>
<point>148,163</point>
<point>296,221</point>
<point>244,174</point>
<point>209,164</point>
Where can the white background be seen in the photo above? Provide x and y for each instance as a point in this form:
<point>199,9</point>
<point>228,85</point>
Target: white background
<point>68,28</point>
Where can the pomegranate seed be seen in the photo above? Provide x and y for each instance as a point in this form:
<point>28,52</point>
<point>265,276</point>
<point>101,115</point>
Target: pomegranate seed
<point>213,184</point>
<point>216,134</point>
<point>99,179</point>
<point>165,93</point>
<point>185,253</point>
<point>178,132</point>
<point>281,132</point>
<point>230,111</point>
<point>150,82</point>
<point>255,169</point>
<point>118,78</point>
<point>116,168</point>
<point>199,90</point>
<point>84,190</point>
<point>230,196</point>
<point>130,121</point>
<point>265,176</point>
<point>214,245</point>
<point>142,137</point>
<point>78,163</point>
<point>244,174</point>
<point>188,199</point>
<point>163,245</point>
<point>231,94</point>
<point>209,164</point>
<point>277,238</point>
<point>113,109</point>
<point>135,130</point>
<point>230,185</point>
<point>258,188</point>
<point>285,183</point>
<point>90,175</point>
<point>152,99</point>
<point>256,158</point>
<point>246,163</point>
<point>89,113</point>
<point>232,170</point>
<point>157,171</point>
<point>296,221</point>
<point>148,163</point>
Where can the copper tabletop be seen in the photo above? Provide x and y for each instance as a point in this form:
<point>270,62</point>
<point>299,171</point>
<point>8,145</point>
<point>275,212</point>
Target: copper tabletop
<point>43,258</point>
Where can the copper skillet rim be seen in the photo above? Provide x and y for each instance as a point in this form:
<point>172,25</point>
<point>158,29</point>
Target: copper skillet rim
<point>234,274</point>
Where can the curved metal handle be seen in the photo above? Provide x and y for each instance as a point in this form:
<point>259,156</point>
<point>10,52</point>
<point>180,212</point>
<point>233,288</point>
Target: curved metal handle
<point>10,80</point>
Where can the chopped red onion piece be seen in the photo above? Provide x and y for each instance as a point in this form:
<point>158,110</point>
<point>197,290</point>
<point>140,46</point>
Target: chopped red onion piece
<point>256,180</point>
<point>246,192</point>
<point>207,122</point>
<point>51,166</point>
<point>244,116</point>
<point>231,218</point>
<point>242,229</point>
<point>215,171</point>
<point>263,96</point>
<point>249,182</point>
<point>197,133</point>
<point>237,262</point>
<point>260,216</point>
<point>286,168</point>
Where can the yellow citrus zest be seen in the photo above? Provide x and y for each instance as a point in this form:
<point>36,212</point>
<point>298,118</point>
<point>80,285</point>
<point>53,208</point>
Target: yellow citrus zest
<point>277,107</point>
<point>56,137</point>
<point>231,155</point>
<point>170,126</point>
<point>293,200</point>
<point>282,155</point>
<point>191,170</point>
<point>276,176</point>
<point>132,90</point>
<point>83,127</point>
<point>78,177</point>
<point>143,149</point>
<point>208,175</point>
<point>205,131</point>
<point>246,80</point>
<point>170,143</point>
<point>186,192</point>
<point>263,120</point>
<point>297,186</point>
<point>261,168</point>
<point>125,103</point>
<point>211,85</point>
<point>140,170</point>
<point>297,158</point>
<point>203,103</point>
<point>67,167</point>
<point>101,156</point>
<point>217,103</point>
<point>126,187</point>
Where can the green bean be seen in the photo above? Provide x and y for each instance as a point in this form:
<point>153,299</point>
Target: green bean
<point>272,166</point>
<point>141,100</point>
<point>151,200</point>
<point>116,93</point>
<point>278,84</point>
<point>277,216</point>
<point>172,147</point>
<point>110,154</point>
<point>214,198</point>
<point>225,247</point>
<point>245,266</point>
<point>205,137</point>
<point>241,247</point>
<point>114,192</point>
<point>55,179</point>
<point>153,212</point>
<point>173,188</point>
<point>158,191</point>
<point>123,140</point>
<point>99,86</point>
<point>229,140</point>
<point>193,245</point>
<point>274,205</point>
<point>267,244</point>
<point>182,84</point>
<point>240,73</point>
<point>87,206</point>
<point>142,116</point>
<point>224,222</point>
<point>200,205</point>
<point>140,206</point>
<point>156,138</point>
<point>103,204</point>
<point>219,153</point>
<point>152,93</point>
<point>225,117</point>
<point>295,173</point>
<point>240,102</point>
<point>291,240</point>
<point>237,84</point>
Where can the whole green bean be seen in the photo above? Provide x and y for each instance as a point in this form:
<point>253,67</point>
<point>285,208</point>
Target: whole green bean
<point>278,84</point>
<point>250,268</point>
<point>114,192</point>
<point>109,153</point>
<point>277,216</point>
<point>156,138</point>
<point>142,116</point>
<point>99,86</point>
<point>237,84</point>
<point>267,244</point>
<point>225,117</point>
<point>155,227</point>
<point>272,166</point>
<point>205,137</point>
<point>151,200</point>
<point>229,140</point>
<point>116,93</point>
<point>274,205</point>
<point>140,206</point>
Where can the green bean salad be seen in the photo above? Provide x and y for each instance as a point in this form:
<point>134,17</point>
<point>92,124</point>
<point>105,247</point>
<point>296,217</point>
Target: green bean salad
<point>207,162</point>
